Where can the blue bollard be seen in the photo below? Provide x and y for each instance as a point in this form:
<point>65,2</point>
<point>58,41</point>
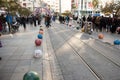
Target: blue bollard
<point>39,36</point>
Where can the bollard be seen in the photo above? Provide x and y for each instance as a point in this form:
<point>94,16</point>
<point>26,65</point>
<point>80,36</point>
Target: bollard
<point>31,75</point>
<point>117,43</point>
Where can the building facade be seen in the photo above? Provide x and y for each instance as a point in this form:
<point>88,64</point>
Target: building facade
<point>78,7</point>
<point>85,7</point>
<point>33,4</point>
<point>54,5</point>
<point>30,4</point>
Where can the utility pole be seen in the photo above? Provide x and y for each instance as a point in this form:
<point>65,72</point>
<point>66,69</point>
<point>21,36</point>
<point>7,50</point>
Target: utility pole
<point>60,6</point>
<point>8,16</point>
<point>33,5</point>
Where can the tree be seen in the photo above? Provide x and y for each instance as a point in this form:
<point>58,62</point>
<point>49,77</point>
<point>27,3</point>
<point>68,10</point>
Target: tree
<point>112,8</point>
<point>13,7</point>
<point>67,12</point>
<point>117,8</point>
<point>24,11</point>
<point>2,3</point>
<point>108,8</point>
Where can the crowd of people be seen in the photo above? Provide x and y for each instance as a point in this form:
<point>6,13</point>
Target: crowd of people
<point>101,23</point>
<point>8,20</point>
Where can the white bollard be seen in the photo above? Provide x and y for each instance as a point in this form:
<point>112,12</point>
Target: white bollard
<point>37,54</point>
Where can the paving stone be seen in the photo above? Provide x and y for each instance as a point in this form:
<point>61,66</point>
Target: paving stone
<point>5,75</point>
<point>2,63</point>
<point>11,62</point>
<point>15,57</point>
<point>17,76</point>
<point>22,69</point>
<point>36,68</point>
<point>25,62</point>
<point>7,51</point>
<point>9,69</point>
<point>28,56</point>
<point>5,57</point>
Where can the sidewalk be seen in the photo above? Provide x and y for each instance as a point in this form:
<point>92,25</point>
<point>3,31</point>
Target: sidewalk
<point>17,54</point>
<point>108,37</point>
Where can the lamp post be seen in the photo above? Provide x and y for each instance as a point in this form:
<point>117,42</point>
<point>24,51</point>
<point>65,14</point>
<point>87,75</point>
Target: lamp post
<point>32,4</point>
<point>8,16</point>
<point>60,6</point>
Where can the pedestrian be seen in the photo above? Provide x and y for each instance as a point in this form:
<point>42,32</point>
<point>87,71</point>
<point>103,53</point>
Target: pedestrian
<point>67,19</point>
<point>0,33</point>
<point>102,24</point>
<point>53,18</point>
<point>23,22</point>
<point>0,45</point>
<point>47,21</point>
<point>89,18</point>
<point>114,25</point>
<point>60,19</point>
<point>97,24</point>
<point>9,20</point>
<point>108,23</point>
<point>38,18</point>
<point>0,41</point>
<point>1,26</point>
<point>84,18</point>
<point>2,23</point>
<point>34,20</point>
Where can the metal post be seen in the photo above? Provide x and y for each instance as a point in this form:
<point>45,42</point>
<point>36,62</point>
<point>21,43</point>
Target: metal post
<point>60,6</point>
<point>33,5</point>
<point>8,14</point>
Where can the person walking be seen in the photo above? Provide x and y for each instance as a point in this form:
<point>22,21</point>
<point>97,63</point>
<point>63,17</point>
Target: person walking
<point>34,20</point>
<point>1,28</point>
<point>38,18</point>
<point>47,21</point>
<point>67,19</point>
<point>0,46</point>
<point>9,21</point>
<point>102,24</point>
<point>23,22</point>
<point>2,23</point>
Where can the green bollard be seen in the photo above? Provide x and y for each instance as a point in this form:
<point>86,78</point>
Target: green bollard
<point>31,75</point>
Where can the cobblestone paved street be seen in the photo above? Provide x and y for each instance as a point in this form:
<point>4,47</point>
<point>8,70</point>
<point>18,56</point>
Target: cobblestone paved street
<point>59,60</point>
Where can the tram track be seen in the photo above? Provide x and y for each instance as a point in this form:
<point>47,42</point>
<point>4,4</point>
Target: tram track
<point>85,63</point>
<point>98,50</point>
<point>77,52</point>
<point>53,71</point>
